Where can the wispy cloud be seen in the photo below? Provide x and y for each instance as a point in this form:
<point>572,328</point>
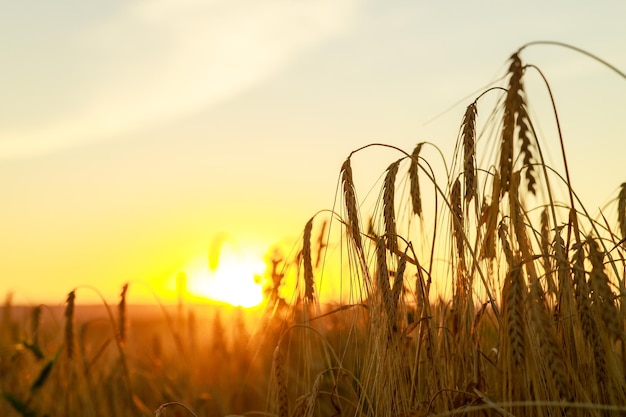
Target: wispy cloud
<point>160,60</point>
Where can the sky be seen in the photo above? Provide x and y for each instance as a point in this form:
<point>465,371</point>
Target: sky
<point>132,133</point>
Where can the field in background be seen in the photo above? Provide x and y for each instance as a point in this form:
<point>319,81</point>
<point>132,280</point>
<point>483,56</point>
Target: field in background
<point>531,322</point>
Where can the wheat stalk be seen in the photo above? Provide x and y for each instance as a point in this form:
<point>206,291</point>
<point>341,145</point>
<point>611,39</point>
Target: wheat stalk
<point>312,401</point>
<point>621,210</point>
<point>514,293</point>
<point>469,151</point>
<point>524,134</point>
<point>280,379</point>
<point>307,262</point>
<point>321,243</point>
<point>396,290</point>
<point>457,218</point>
<point>490,220</point>
<point>517,218</point>
<point>545,250</point>
<point>516,116</point>
<point>389,215</point>
<point>549,347</point>
<point>123,325</point>
<point>602,298</point>
<point>590,326</point>
<point>416,198</point>
<point>36,327</point>
<point>581,293</point>
<point>508,123</point>
<point>160,412</point>
<point>506,246</point>
<point>398,281</point>
<point>351,204</point>
<point>382,278</point>
<point>69,324</point>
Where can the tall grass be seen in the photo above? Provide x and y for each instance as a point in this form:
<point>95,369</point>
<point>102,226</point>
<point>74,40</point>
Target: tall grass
<point>479,291</point>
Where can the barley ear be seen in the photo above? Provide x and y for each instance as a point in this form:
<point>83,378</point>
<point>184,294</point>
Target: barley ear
<point>307,263</point>
<point>280,379</point>
<point>457,218</point>
<point>589,324</point>
<point>416,199</point>
<point>382,278</point>
<point>524,134</point>
<point>36,327</point>
<point>123,319</point>
<point>469,151</point>
<point>321,243</point>
<point>490,219</point>
<point>545,251</point>
<point>506,246</point>
<point>515,116</point>
<point>349,195</point>
<point>621,210</point>
<point>514,294</point>
<point>398,281</point>
<point>389,207</point>
<point>602,298</point>
<point>508,124</point>
<point>396,290</point>
<point>582,292</point>
<point>70,324</point>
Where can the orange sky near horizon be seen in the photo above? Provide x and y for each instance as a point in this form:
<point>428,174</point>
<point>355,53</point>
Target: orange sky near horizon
<point>132,134</point>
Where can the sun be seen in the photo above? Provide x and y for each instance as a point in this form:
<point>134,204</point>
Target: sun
<point>230,277</point>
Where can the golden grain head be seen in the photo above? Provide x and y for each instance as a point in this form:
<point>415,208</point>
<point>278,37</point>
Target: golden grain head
<point>389,215</point>
<point>416,198</point>
<point>469,151</point>
<point>307,262</point>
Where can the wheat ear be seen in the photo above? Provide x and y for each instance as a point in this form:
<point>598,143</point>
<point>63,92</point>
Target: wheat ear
<point>506,246</point>
<point>382,278</point>
<point>416,198</point>
<point>515,115</point>
<point>351,204</point>
<point>621,210</point>
<point>514,290</point>
<point>508,123</point>
<point>280,378</point>
<point>524,133</point>
<point>389,214</point>
<point>581,293</point>
<point>490,216</point>
<point>469,151</point>
<point>123,319</point>
<point>549,346</point>
<point>457,218</point>
<point>69,324</point>
<point>307,262</point>
<point>545,250</point>
<point>36,327</point>
<point>396,290</point>
<point>602,298</point>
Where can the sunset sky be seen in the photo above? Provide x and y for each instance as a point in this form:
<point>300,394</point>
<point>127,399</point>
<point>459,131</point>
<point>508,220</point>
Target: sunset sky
<point>133,134</point>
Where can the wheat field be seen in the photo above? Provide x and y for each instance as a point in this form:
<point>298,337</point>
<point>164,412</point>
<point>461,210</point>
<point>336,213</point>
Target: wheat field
<point>477,284</point>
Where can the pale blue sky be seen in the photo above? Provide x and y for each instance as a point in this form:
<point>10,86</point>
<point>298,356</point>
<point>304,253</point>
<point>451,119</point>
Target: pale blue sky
<point>132,130</point>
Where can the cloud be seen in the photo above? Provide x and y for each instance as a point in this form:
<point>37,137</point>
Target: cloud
<point>156,61</point>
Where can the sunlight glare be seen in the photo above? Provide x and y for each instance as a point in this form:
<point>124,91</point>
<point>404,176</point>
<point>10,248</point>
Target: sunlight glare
<point>237,280</point>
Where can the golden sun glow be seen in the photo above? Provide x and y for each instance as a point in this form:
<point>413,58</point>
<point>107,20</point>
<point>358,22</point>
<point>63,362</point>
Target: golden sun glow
<point>235,279</point>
